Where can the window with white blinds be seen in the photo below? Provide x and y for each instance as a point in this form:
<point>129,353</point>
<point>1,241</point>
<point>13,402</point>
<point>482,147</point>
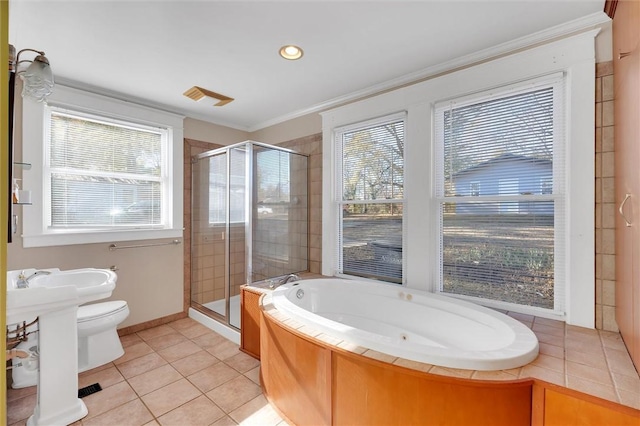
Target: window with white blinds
<point>370,159</point>
<point>500,189</point>
<point>103,173</point>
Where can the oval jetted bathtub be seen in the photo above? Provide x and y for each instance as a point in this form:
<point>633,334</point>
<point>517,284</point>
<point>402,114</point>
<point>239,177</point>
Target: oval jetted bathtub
<point>410,324</point>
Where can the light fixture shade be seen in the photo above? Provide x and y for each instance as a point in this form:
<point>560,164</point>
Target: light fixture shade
<point>38,79</point>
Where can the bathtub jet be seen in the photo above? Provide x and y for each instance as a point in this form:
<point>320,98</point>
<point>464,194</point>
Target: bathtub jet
<point>410,324</point>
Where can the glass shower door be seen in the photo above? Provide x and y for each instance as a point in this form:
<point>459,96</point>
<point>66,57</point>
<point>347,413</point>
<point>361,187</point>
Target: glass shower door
<point>209,237</point>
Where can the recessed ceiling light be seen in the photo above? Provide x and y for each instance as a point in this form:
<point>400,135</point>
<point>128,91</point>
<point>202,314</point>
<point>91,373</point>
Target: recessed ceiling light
<point>291,52</point>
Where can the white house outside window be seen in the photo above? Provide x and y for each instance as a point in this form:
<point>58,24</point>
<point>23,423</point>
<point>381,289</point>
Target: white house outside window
<point>506,243</point>
<point>370,157</point>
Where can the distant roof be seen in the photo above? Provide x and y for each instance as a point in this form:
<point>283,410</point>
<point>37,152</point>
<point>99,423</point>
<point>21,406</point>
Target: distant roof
<point>503,158</point>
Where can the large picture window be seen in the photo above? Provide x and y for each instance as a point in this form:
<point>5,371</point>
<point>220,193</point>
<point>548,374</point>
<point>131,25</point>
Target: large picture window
<point>499,185</point>
<point>370,157</point>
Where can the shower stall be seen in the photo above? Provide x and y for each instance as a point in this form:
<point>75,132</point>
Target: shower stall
<point>249,221</point>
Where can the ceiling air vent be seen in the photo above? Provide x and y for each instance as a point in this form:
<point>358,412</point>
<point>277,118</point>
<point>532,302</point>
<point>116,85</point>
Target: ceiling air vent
<point>196,93</point>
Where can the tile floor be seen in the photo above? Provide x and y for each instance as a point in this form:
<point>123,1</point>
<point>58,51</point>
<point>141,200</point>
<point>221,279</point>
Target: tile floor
<point>181,373</point>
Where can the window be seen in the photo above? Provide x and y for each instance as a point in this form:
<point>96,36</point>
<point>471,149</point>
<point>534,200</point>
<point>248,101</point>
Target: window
<point>104,170</point>
<point>104,173</point>
<point>506,243</point>
<point>370,157</point>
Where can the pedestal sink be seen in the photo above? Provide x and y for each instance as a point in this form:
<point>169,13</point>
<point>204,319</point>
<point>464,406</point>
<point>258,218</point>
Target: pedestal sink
<point>54,298</point>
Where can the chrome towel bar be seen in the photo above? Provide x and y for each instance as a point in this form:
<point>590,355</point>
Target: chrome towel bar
<point>113,247</point>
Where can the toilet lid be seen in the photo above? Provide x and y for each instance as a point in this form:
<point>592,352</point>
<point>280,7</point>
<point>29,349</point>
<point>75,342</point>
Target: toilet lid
<point>97,310</point>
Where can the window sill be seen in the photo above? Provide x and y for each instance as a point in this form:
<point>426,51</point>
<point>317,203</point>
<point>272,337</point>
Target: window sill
<point>64,238</point>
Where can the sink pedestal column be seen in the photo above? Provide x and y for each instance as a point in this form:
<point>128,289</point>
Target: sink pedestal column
<point>58,401</point>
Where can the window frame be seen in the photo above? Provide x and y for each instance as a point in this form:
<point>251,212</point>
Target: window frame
<point>36,126</point>
<point>558,196</point>
<point>340,202</point>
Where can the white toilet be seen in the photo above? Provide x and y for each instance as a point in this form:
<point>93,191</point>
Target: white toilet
<point>98,341</point>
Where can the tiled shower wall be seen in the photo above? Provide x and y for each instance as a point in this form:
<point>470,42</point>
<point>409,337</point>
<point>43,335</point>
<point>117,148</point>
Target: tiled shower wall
<point>312,146</point>
<point>605,210</point>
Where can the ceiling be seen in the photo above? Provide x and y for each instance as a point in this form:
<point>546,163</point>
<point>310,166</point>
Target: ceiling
<point>153,51</point>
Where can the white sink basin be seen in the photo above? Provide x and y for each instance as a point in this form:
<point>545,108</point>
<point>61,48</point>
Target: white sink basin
<point>59,289</point>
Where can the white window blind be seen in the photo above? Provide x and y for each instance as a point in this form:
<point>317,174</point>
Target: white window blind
<point>102,173</point>
<point>500,187</point>
<point>370,158</point>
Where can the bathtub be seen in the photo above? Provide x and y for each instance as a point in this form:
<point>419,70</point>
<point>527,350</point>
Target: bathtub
<point>410,324</point>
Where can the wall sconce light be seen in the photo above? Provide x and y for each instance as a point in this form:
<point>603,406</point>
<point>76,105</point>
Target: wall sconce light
<point>37,77</point>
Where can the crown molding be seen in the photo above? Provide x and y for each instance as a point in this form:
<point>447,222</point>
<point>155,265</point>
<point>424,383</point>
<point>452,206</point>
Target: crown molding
<point>566,29</point>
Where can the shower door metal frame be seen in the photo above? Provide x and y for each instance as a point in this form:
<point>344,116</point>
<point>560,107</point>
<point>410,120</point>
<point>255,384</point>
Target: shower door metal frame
<point>248,240</point>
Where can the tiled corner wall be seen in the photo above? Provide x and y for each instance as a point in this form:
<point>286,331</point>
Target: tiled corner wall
<point>605,209</point>
<point>312,146</point>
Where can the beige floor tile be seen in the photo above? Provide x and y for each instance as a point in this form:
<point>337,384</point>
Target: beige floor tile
<point>242,362</point>
<point>150,333</point>
<point>592,388</point>
<point>594,374</point>
<point>184,324</point>
<point>224,350</point>
<point>141,365</point>
<point>134,351</point>
<point>225,421</point>
<point>108,399</point>
<point>130,339</point>
<point>21,408</point>
<point>212,377</point>
<point>194,362</point>
<point>176,352</point>
<point>200,411</point>
<point>234,393</point>
<point>98,368</point>
<point>256,412</point>
<point>191,329</point>
<point>107,377</point>
<point>165,341</point>
<point>165,399</point>
<point>152,423</point>
<point>132,413</point>
<point>208,340</point>
<point>154,379</point>
<point>254,375</point>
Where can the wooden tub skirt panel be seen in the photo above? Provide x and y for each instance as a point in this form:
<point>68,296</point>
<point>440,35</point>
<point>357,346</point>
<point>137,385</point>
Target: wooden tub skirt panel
<point>310,382</point>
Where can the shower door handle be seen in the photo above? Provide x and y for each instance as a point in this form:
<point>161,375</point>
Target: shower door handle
<point>621,209</point>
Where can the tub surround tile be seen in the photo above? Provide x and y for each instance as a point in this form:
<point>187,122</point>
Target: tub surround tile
<point>630,399</point>
<point>524,318</point>
<point>370,353</point>
<point>549,339</point>
<point>493,375</point>
<point>414,365</point>
<point>549,322</point>
<point>595,358</point>
<point>592,388</point>
<point>309,331</point>
<point>451,372</point>
<point>549,362</point>
<point>534,371</point>
<point>328,339</point>
<point>587,372</point>
<point>626,383</point>
<point>352,347</point>
<point>551,350</point>
<point>620,362</point>
<point>554,331</point>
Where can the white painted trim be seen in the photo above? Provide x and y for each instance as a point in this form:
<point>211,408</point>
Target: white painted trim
<point>577,25</point>
<point>575,56</point>
<point>221,329</point>
<point>35,232</point>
